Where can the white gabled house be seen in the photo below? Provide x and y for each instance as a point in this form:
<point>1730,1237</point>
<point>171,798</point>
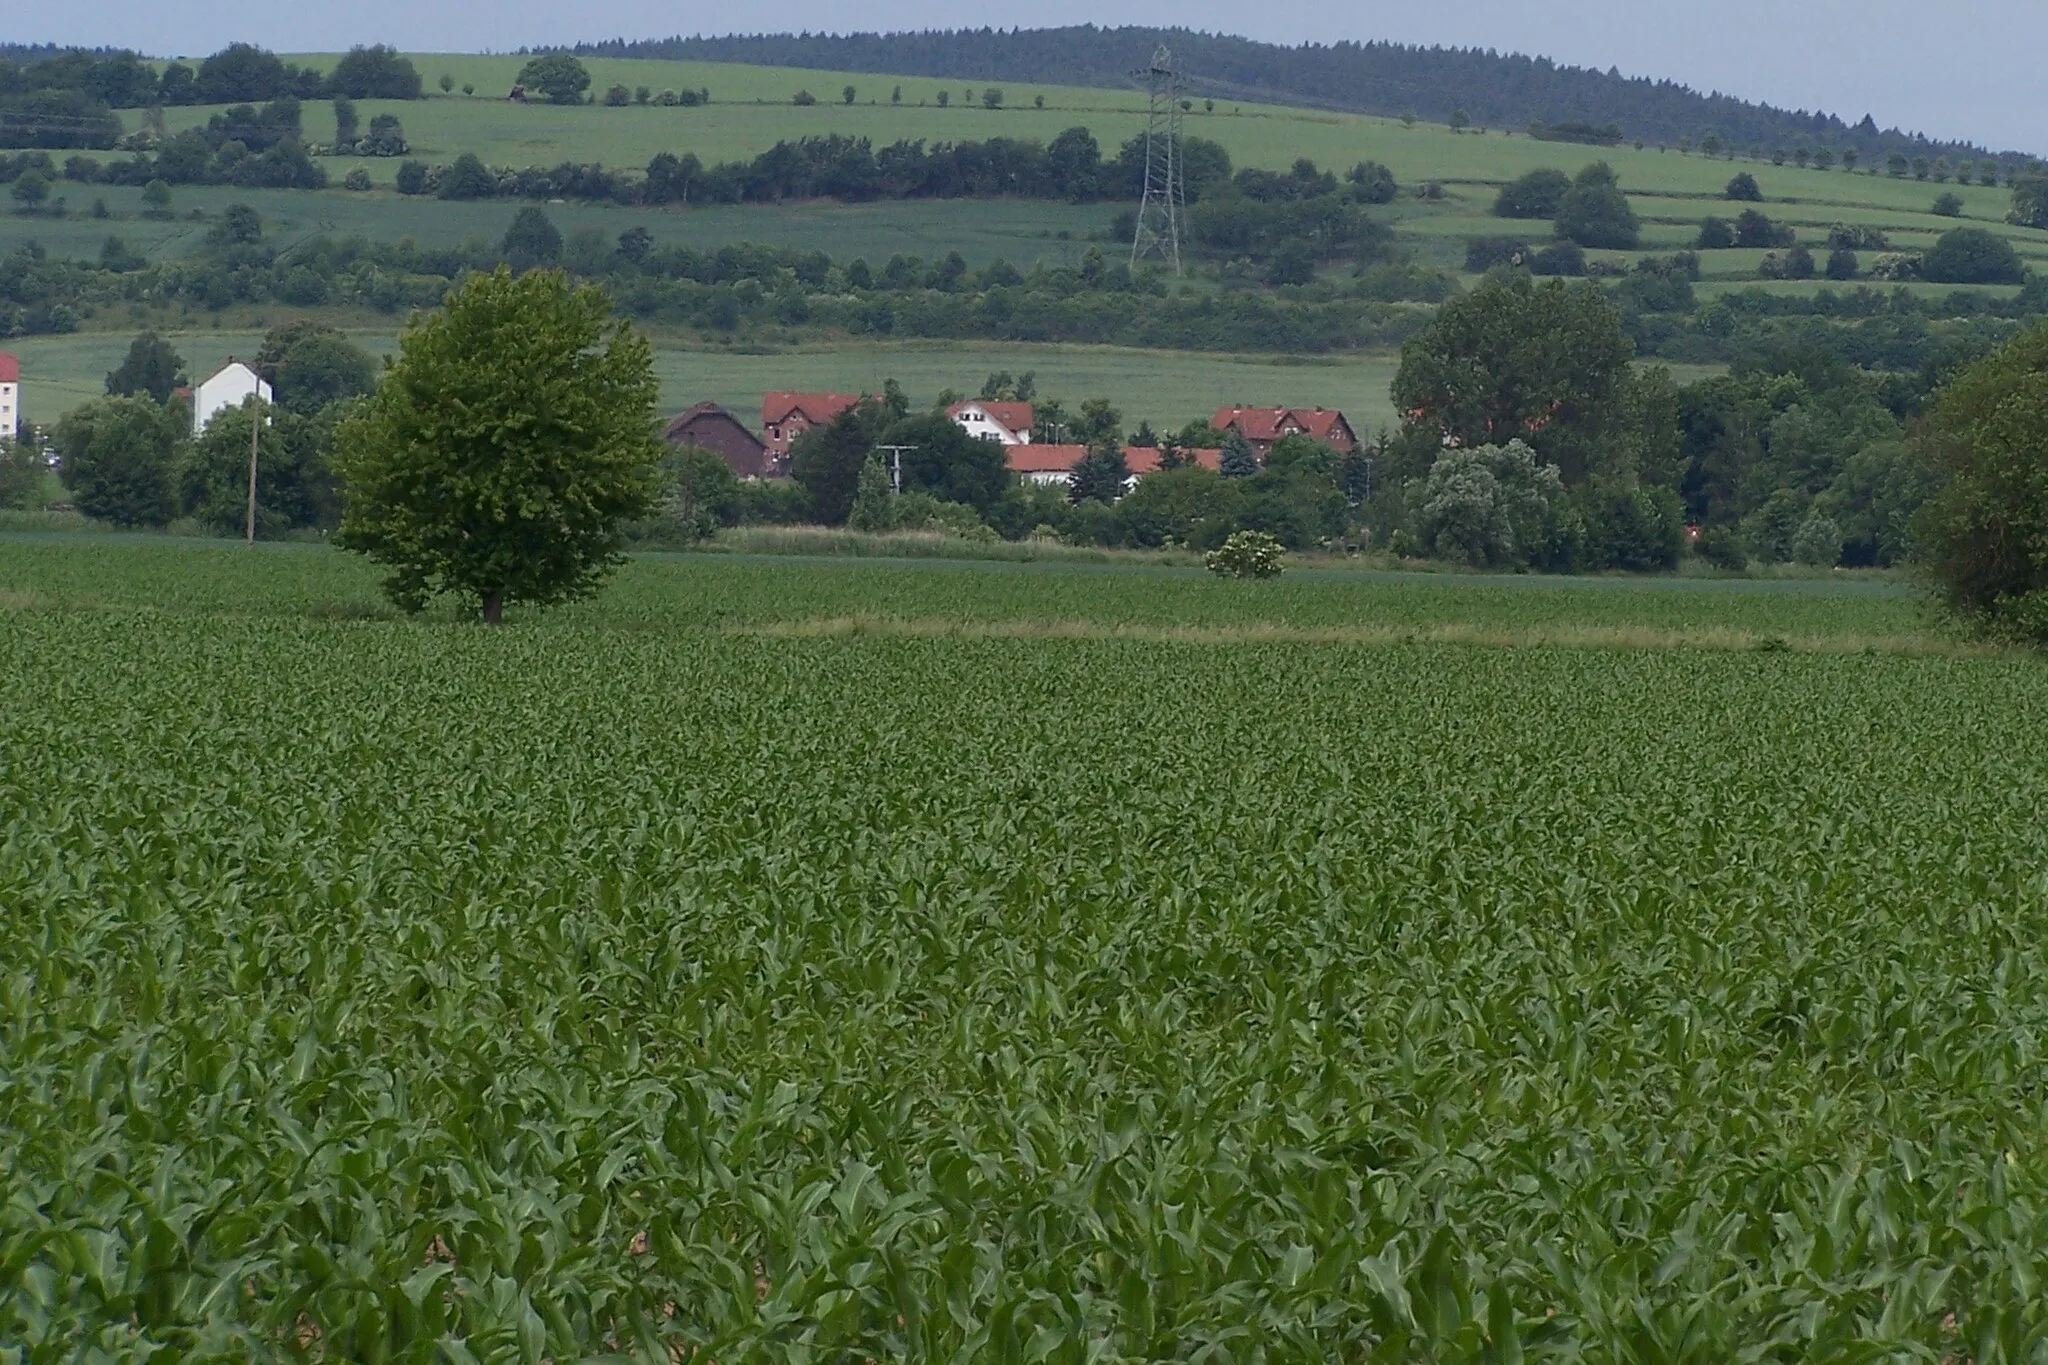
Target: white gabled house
<point>229,387</point>
<point>1006,424</point>
<point>10,397</point>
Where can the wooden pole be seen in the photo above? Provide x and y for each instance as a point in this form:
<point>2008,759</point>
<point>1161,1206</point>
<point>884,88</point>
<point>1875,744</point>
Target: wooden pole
<point>255,430</point>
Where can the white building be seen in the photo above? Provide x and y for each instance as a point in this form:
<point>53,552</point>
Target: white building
<point>10,397</point>
<point>1006,424</point>
<point>229,387</point>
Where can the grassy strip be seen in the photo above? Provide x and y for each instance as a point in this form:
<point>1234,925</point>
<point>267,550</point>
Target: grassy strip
<point>1717,638</point>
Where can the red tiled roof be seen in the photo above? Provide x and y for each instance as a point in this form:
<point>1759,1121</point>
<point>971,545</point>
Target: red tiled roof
<point>10,370</point>
<point>817,408</point>
<point>1059,459</point>
<point>1145,459</point>
<point>683,419</point>
<point>1266,424</point>
<point>1043,458</point>
<point>1015,417</point>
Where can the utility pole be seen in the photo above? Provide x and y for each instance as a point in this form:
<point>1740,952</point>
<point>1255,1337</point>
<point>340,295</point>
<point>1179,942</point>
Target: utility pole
<point>255,430</point>
<point>256,424</point>
<point>896,467</point>
<point>1164,202</point>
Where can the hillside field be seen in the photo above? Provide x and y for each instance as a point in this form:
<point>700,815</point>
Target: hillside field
<point>686,974</point>
<point>1167,388</point>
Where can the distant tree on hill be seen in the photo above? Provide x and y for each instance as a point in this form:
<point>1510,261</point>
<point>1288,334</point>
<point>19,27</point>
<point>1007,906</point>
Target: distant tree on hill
<point>1972,256</point>
<point>556,75</point>
<point>2030,201</point>
<point>531,241</point>
<point>617,97</point>
<point>846,96</point>
<point>468,178</point>
<point>151,369</point>
<point>1948,206</point>
<point>447,83</point>
<point>1715,235</point>
<point>803,99</point>
<point>506,445</point>
<point>375,73</point>
<point>1596,213</point>
<point>30,191</point>
<point>239,74</point>
<point>1539,194</point>
<point>1743,189</point>
<point>1459,120</point>
<point>1842,264</point>
<point>992,98</point>
<point>346,127</point>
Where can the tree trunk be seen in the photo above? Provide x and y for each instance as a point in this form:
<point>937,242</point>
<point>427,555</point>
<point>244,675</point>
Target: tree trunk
<point>494,606</point>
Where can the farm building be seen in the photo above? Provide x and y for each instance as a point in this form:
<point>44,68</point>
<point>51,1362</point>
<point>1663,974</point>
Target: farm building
<point>10,397</point>
<point>1263,427</point>
<point>786,416</point>
<point>710,427</point>
<point>1050,465</point>
<point>1004,423</point>
<point>228,387</point>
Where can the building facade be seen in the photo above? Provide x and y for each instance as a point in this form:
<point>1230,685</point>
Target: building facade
<point>10,397</point>
<point>1266,427</point>
<point>229,387</point>
<point>710,427</point>
<point>1004,423</point>
<point>786,416</point>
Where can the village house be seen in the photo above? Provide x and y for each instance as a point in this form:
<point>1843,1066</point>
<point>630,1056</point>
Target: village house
<point>710,427</point>
<point>1050,465</point>
<point>786,416</point>
<point>228,387</point>
<point>10,397</point>
<point>1004,423</point>
<point>1266,427</point>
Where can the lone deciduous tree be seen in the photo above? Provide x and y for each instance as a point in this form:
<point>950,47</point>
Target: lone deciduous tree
<point>506,444</point>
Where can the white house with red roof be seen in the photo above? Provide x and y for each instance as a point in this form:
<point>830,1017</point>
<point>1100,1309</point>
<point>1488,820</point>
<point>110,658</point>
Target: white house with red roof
<point>1053,465</point>
<point>10,397</point>
<point>1266,427</point>
<point>1006,424</point>
<point>786,416</point>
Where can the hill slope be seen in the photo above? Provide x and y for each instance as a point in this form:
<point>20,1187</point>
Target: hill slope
<point>1496,90</point>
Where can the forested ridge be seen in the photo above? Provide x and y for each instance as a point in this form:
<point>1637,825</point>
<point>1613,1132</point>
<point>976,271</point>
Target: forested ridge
<point>1498,90</point>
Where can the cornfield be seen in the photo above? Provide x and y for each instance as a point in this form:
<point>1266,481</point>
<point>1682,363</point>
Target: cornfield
<point>381,991</point>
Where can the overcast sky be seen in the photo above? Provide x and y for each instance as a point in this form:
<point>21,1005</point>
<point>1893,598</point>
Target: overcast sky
<point>1963,68</point>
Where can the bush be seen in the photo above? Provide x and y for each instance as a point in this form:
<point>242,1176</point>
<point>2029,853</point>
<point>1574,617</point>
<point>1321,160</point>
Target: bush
<point>1247,554</point>
<point>618,97</point>
<point>804,99</point>
<point>1721,547</point>
<point>357,179</point>
<point>1743,189</point>
<point>1949,206</point>
<point>1539,194</point>
<point>1484,253</point>
<point>1489,506</point>
<point>1559,258</point>
<point>1596,213</point>
<point>1972,256</point>
<point>1716,234</point>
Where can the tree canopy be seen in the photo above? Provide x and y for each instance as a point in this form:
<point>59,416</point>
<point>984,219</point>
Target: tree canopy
<point>512,436</point>
<point>1517,360</point>
<point>1595,213</point>
<point>1986,534</point>
<point>557,75</point>
<point>117,459</point>
<point>151,368</point>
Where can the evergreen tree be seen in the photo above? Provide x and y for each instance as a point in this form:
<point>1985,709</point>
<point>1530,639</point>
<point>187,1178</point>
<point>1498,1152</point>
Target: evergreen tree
<point>1100,476</point>
<point>1240,460</point>
<point>151,368</point>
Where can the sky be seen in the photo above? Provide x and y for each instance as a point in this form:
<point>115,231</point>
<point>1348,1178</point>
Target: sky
<point>1962,69</point>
